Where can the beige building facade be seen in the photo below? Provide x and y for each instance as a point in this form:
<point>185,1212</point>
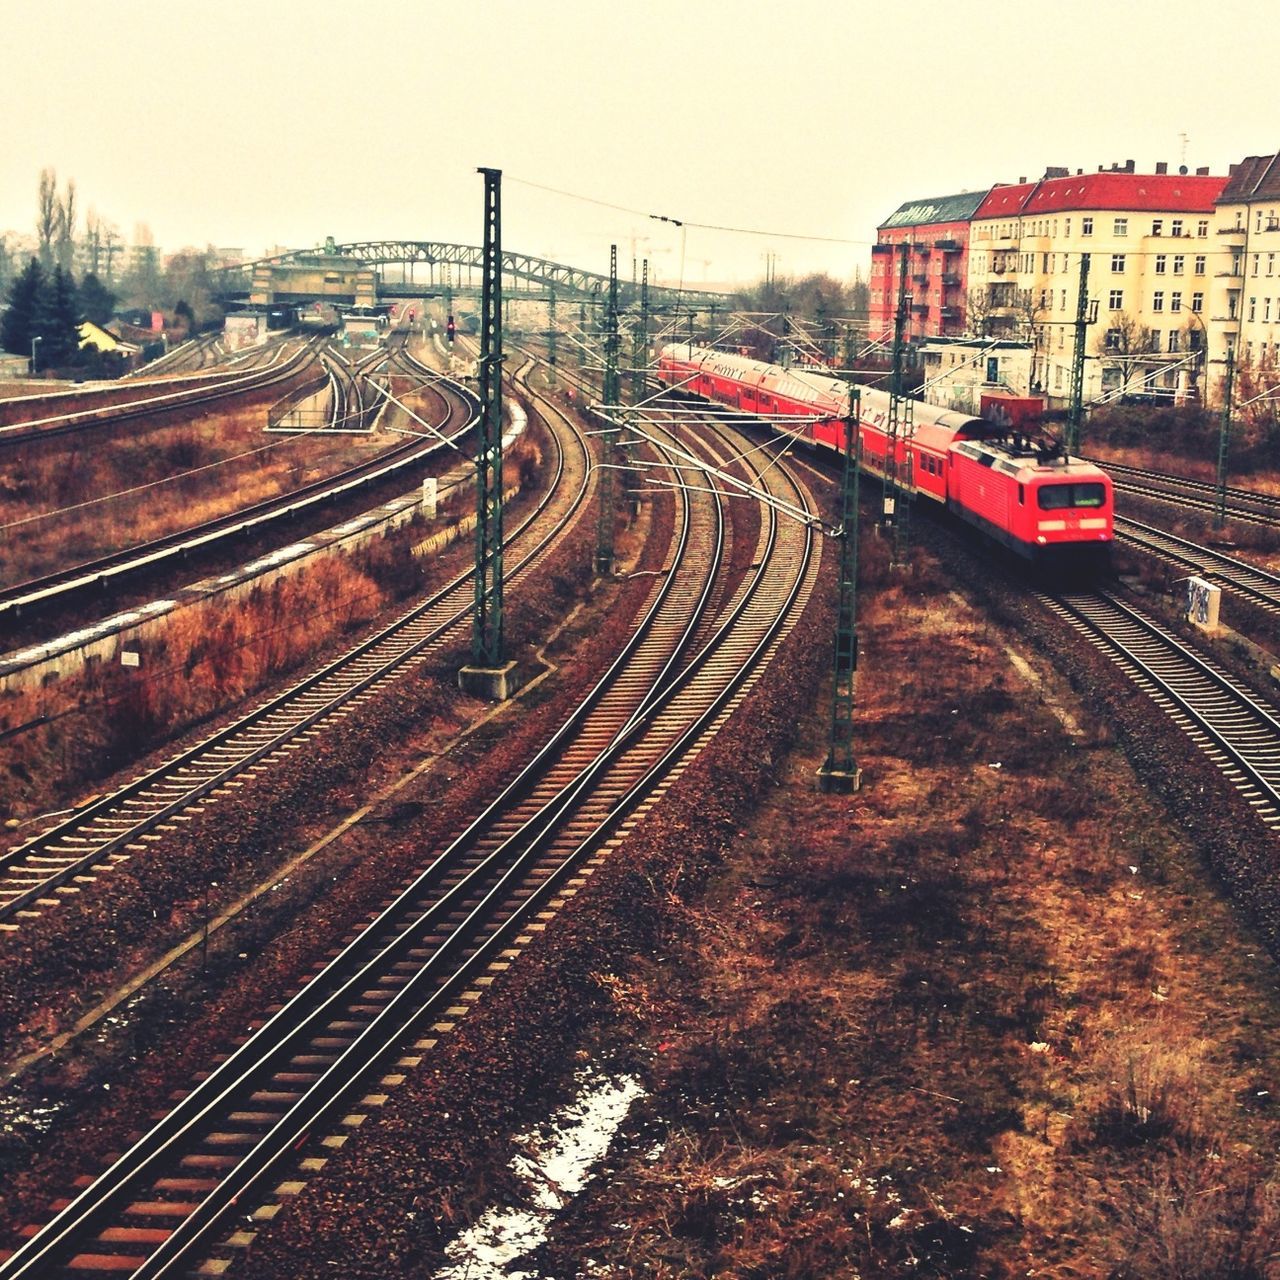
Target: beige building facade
<point>1153,253</point>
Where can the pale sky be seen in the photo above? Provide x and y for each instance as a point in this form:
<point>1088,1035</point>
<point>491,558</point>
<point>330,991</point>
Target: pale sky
<point>274,122</point>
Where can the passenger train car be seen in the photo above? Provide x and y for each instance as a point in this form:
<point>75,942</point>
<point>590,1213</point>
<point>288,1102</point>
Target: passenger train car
<point>1050,510</point>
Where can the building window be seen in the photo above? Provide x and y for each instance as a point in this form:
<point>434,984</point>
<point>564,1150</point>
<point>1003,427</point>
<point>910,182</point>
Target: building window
<point>1199,264</point>
<point>1064,300</point>
<point>1121,227</point>
<point>1157,300</point>
<point>1175,227</point>
<point>1175,301</point>
<point>1266,310</point>
<point>1256,258</point>
<point>1157,226</point>
<point>1086,226</point>
<point>1253,308</point>
<point>1115,301</point>
<point>1112,341</point>
<point>1202,228</point>
<point>1045,267</point>
<point>1162,261</point>
<point>1154,340</point>
<point>1117,262</point>
<point>1179,264</point>
<point>1271,264</point>
<point>1066,227</point>
<point>1174,340</point>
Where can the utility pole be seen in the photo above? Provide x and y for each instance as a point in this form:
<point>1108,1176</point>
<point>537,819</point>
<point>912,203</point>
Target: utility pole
<point>551,335</point>
<point>1224,439</point>
<point>609,398</point>
<point>896,511</point>
<point>488,673</point>
<point>640,344</point>
<point>840,773</point>
<point>1083,320</point>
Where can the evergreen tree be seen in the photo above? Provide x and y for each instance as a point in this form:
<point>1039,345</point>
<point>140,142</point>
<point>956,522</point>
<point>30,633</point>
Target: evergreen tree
<point>58,319</point>
<point>96,300</point>
<point>18,327</point>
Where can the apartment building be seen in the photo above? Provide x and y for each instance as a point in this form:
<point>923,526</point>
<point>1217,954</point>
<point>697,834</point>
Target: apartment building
<point>1152,255</point>
<point>1245,290</point>
<point>929,240</point>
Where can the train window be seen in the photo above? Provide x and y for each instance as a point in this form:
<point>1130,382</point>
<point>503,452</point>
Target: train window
<point>1057,497</point>
<point>1022,495</point>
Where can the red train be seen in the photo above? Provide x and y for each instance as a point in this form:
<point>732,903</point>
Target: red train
<point>1050,510</point>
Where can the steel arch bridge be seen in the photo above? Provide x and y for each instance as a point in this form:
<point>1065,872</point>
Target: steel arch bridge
<point>457,268</point>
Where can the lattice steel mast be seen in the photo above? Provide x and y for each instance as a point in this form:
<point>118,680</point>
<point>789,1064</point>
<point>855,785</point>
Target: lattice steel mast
<point>609,398</point>
<point>487,640</point>
<point>841,772</point>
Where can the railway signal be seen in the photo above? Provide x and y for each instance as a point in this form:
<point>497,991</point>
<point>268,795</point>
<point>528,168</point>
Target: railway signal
<point>450,329</point>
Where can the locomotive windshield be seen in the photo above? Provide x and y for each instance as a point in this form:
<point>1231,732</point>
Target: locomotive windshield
<point>1057,497</point>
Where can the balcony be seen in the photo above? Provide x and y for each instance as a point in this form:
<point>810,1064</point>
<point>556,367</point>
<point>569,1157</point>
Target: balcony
<point>950,313</point>
<point>882,248</point>
<point>921,250</point>
<point>950,278</point>
<point>921,308</point>
<point>1232,231</point>
<point>921,277</point>
<point>947,246</point>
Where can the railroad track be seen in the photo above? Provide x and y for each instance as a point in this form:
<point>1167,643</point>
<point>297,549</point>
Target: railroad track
<point>1246,505</point>
<point>459,922</point>
<point>1255,585</point>
<point>1233,726</point>
<point>163,396</point>
<point>61,860</point>
<point>104,573</point>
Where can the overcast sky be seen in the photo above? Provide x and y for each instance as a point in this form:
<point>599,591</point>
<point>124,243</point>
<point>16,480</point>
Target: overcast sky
<point>274,122</point>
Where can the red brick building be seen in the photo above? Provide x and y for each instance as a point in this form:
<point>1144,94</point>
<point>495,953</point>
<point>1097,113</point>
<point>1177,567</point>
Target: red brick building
<point>935,233</point>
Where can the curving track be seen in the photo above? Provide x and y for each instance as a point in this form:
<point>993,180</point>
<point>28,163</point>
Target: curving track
<point>1235,728</point>
<point>62,859</point>
<point>479,897</point>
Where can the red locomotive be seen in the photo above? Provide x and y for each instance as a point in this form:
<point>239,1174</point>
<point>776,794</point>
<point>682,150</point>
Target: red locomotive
<point>1050,510</point>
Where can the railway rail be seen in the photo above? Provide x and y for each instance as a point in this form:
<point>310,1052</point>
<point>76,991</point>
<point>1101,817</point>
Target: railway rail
<point>1248,505</point>
<point>1255,585</point>
<point>1238,732</point>
<point>104,573</point>
<point>677,678</point>
<point>156,397</point>
<point>63,858</point>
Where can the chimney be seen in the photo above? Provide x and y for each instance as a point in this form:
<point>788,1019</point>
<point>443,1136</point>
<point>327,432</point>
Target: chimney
<point>1182,169</point>
<point>1079,173</point>
<point>1129,166</point>
<point>1056,171</point>
<point>1162,166</point>
<point>1231,170</point>
<point>1202,171</point>
<point>1022,178</point>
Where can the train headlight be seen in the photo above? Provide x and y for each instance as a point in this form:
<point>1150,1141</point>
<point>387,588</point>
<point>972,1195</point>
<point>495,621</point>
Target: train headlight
<point>1040,538</point>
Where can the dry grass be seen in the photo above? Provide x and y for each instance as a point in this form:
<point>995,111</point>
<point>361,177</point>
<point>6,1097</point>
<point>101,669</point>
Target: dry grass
<point>44,488</point>
<point>208,657</point>
<point>986,1017</point>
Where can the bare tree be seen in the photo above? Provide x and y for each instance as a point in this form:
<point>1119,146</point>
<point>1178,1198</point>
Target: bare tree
<point>978,311</point>
<point>48,210</point>
<point>67,226</point>
<point>110,235</point>
<point>92,241</point>
<point>1123,346</point>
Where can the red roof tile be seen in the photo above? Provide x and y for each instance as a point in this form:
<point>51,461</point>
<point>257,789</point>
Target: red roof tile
<point>1171,192</point>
